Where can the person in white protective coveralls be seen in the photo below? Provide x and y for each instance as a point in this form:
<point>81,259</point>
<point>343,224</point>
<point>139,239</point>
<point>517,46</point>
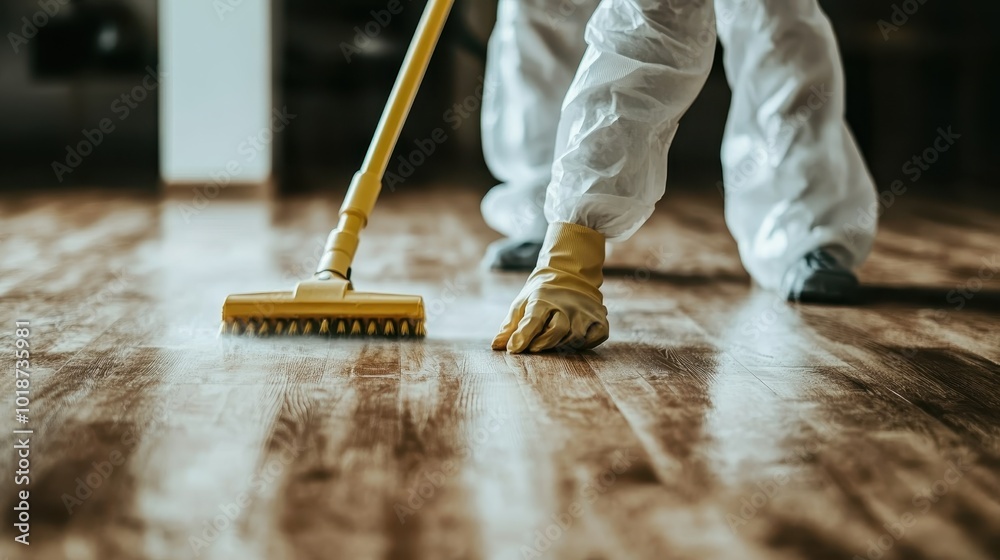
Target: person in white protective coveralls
<point>582,121</point>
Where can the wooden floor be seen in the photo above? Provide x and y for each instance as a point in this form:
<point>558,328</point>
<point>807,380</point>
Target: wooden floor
<point>717,422</point>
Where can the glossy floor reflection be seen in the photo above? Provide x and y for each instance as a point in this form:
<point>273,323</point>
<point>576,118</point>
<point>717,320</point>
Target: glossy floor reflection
<point>718,421</point>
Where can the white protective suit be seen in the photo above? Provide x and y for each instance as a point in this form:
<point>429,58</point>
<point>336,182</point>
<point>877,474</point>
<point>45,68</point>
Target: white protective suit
<point>793,175</point>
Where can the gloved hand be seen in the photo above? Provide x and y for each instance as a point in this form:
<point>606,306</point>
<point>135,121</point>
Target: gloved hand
<point>561,305</point>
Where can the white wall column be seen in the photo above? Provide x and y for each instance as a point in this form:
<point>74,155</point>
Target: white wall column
<point>217,119</point>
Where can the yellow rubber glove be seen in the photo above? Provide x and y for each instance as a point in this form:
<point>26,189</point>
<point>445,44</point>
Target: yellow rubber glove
<point>561,305</point>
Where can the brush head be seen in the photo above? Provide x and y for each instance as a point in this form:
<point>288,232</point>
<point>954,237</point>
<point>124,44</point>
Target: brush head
<point>327,307</point>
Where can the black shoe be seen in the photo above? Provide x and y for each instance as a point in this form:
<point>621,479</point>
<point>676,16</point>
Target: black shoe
<point>820,278</point>
<point>511,254</point>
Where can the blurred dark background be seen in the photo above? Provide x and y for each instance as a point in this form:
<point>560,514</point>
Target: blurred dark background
<point>61,74</point>
<point>936,70</point>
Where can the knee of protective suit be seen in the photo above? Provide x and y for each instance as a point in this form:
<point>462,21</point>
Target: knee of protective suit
<point>654,32</point>
<point>516,211</point>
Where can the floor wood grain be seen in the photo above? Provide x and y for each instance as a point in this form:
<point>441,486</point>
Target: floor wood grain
<point>717,422</point>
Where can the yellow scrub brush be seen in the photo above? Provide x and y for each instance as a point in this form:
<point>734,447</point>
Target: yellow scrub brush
<point>327,304</point>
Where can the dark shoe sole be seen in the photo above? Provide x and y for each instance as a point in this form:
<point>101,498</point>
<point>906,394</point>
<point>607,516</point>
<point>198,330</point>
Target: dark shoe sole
<point>511,255</point>
<point>829,287</point>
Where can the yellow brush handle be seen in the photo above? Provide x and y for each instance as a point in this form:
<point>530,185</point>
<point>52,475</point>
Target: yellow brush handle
<point>364,191</point>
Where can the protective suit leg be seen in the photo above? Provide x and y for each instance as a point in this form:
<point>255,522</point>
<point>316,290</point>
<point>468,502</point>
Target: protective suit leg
<point>534,52</point>
<point>642,70</point>
<point>795,181</point>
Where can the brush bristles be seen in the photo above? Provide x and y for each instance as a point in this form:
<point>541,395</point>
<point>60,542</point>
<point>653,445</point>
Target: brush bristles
<point>330,327</point>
